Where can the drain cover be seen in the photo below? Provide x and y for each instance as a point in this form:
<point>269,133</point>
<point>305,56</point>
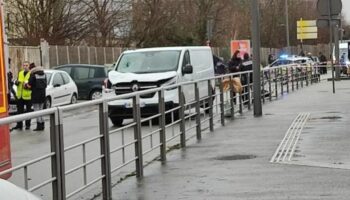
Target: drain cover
<point>236,157</point>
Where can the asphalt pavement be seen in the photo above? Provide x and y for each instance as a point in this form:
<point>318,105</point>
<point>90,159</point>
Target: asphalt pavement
<point>234,161</point>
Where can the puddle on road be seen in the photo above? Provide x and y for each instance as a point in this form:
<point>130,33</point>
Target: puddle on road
<point>331,117</point>
<point>236,157</point>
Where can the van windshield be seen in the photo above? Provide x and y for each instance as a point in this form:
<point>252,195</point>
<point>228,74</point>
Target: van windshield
<point>149,62</point>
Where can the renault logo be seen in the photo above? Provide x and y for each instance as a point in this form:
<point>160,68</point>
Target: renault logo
<point>135,88</point>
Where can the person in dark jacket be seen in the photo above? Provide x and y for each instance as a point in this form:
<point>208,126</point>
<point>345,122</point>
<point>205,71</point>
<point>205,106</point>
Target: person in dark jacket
<point>37,83</point>
<point>270,59</point>
<point>235,63</point>
<point>247,65</point>
<point>323,63</point>
<point>219,65</point>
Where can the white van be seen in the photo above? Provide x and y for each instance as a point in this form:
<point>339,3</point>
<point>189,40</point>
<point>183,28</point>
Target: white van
<point>149,68</point>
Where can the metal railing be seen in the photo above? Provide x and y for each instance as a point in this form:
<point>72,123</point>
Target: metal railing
<point>190,118</point>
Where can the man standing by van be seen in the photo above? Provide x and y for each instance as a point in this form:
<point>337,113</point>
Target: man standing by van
<point>24,95</point>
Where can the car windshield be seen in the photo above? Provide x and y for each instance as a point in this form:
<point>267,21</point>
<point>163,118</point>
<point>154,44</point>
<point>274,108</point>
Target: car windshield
<point>280,62</point>
<point>48,77</point>
<point>148,62</point>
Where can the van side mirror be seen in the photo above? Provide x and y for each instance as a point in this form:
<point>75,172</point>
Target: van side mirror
<point>188,69</point>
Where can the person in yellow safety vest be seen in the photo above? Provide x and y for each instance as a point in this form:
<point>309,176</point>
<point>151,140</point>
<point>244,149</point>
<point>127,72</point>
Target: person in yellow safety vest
<point>24,95</point>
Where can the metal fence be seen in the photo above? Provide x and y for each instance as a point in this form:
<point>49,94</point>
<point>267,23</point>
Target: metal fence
<point>189,120</point>
<point>60,55</point>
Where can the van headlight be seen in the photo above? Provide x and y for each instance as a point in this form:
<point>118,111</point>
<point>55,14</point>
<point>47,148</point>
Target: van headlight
<point>172,81</point>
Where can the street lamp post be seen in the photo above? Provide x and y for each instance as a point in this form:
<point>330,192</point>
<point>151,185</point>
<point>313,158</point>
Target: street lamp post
<point>287,26</point>
<point>256,58</point>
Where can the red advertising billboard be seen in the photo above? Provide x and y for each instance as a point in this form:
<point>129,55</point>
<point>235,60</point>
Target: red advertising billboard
<point>242,45</point>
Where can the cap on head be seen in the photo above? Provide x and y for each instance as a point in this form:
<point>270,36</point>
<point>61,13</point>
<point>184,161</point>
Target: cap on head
<point>32,65</point>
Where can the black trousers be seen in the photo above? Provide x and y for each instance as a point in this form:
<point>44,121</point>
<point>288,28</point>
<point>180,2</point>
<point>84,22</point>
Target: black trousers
<point>24,106</point>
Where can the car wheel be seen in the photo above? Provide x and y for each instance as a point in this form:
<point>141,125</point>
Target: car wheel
<point>116,121</point>
<point>95,94</point>
<point>74,99</point>
<point>47,103</point>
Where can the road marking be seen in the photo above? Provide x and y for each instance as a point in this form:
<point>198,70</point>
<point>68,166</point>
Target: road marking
<point>287,147</point>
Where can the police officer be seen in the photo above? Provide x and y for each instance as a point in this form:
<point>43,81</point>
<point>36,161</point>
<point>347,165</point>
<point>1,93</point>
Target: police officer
<point>37,83</point>
<point>247,65</point>
<point>24,95</point>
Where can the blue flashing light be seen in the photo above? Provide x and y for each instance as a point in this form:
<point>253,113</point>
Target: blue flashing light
<point>284,56</point>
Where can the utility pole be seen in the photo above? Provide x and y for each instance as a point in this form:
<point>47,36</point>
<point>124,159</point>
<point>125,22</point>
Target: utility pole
<point>331,41</point>
<point>256,58</point>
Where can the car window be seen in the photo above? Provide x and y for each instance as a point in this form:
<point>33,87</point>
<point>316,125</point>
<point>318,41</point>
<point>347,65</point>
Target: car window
<point>57,79</point>
<point>99,72</point>
<point>65,78</point>
<point>81,73</point>
<point>48,77</point>
<point>66,69</point>
<point>187,59</point>
<point>92,72</point>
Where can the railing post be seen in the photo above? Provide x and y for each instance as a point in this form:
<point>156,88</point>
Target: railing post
<point>276,82</point>
<point>292,78</point>
<point>222,108</point>
<point>137,136</point>
<point>162,133</point>
<point>182,116</point>
<point>263,85</point>
<point>287,75</point>
<point>232,101</point>
<point>298,77</point>
<point>312,76</point>
<point>57,160</point>
<point>240,98</point>
<point>281,71</point>
<point>211,115</point>
<point>307,76</point>
<point>270,86</point>
<point>302,79</point>
<point>198,112</point>
<point>248,91</point>
<point>105,151</point>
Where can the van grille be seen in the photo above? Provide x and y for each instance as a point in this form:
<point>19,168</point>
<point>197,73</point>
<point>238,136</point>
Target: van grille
<point>125,88</point>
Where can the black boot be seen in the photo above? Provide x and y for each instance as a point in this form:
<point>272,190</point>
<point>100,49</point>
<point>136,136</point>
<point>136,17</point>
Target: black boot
<point>39,126</point>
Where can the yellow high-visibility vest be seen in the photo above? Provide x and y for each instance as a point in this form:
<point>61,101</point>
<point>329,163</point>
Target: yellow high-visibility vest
<point>23,93</point>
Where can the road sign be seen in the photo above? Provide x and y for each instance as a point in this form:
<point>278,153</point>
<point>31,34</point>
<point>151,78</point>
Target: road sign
<point>324,5</point>
<point>306,29</point>
<point>305,36</point>
<point>312,29</point>
<point>303,23</point>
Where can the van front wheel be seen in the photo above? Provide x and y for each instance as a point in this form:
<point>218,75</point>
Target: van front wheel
<point>116,121</point>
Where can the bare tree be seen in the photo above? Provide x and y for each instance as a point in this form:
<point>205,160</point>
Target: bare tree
<point>57,21</point>
<point>107,20</point>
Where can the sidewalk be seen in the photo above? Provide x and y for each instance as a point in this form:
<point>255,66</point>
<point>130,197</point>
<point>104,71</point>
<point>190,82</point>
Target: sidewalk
<point>234,161</point>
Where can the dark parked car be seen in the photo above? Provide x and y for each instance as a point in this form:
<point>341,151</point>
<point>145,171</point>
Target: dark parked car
<point>88,78</point>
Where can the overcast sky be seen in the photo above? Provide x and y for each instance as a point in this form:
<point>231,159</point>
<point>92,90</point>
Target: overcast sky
<point>346,9</point>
